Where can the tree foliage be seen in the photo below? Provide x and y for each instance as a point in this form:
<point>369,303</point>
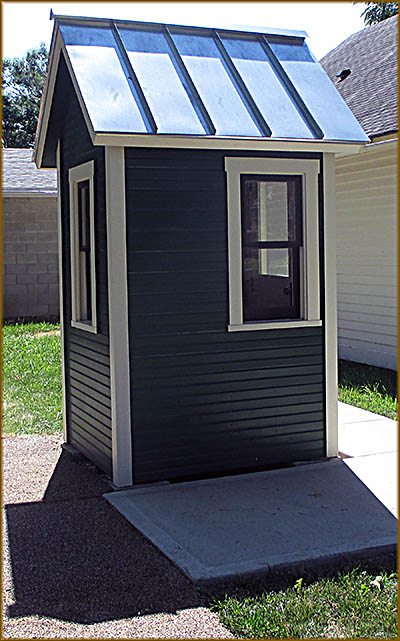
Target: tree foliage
<point>377,11</point>
<point>23,80</point>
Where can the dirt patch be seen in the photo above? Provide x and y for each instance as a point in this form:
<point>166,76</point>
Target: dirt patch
<point>54,332</point>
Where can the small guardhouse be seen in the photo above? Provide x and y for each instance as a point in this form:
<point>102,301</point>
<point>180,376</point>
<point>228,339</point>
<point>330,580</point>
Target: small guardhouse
<point>196,172</point>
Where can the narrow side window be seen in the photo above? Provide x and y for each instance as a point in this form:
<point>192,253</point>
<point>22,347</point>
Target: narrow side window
<point>83,273</point>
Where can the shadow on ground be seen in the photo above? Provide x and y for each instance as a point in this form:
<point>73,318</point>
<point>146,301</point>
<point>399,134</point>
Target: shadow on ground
<point>74,557</point>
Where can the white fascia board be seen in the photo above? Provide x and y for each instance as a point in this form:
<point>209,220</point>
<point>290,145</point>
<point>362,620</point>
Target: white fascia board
<point>47,101</point>
<point>221,142</point>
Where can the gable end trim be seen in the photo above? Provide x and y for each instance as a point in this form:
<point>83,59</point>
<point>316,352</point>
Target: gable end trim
<point>47,102</point>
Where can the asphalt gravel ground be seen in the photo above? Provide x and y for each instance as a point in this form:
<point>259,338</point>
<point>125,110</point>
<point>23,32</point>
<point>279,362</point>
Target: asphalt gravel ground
<point>74,567</point>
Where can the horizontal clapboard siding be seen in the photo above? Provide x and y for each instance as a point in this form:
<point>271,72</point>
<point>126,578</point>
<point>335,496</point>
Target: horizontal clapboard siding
<point>205,401</point>
<point>87,359</point>
<point>366,256</point>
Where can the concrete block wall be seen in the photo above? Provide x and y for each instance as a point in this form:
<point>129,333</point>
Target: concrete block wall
<point>30,257</point>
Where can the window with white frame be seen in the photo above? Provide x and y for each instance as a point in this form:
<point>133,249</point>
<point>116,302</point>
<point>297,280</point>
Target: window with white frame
<point>273,243</point>
<point>83,273</point>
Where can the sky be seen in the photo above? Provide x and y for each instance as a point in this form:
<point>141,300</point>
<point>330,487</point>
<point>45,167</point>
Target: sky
<point>26,24</point>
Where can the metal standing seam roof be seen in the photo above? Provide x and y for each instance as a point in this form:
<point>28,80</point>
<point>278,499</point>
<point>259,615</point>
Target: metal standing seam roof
<point>371,88</point>
<point>20,175</point>
<point>148,78</point>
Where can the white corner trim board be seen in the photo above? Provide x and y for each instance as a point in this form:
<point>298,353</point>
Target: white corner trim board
<point>308,170</point>
<point>60,291</point>
<point>118,317</point>
<point>331,371</point>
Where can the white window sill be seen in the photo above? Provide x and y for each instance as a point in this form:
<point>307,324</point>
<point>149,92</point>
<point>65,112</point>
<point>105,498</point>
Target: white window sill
<point>274,325</point>
<point>85,326</point>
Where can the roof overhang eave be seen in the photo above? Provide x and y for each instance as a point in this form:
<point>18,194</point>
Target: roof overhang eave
<point>345,147</point>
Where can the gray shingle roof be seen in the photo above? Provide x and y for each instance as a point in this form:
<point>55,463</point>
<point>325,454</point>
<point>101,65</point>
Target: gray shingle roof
<point>21,176</point>
<point>371,88</point>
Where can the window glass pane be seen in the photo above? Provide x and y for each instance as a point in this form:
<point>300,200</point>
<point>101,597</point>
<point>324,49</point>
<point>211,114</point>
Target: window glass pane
<point>273,262</point>
<point>272,211</point>
<point>84,277</point>
<point>83,214</point>
<point>270,208</point>
<point>271,287</point>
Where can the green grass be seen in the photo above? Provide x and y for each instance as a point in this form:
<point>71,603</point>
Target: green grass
<point>346,606</point>
<point>32,397</point>
<point>371,388</point>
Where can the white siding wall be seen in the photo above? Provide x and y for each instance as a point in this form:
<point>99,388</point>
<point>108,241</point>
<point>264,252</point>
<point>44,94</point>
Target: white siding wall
<point>366,255</point>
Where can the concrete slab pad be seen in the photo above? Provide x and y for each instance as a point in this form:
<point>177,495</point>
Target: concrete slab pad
<point>369,437</point>
<point>220,528</point>
<point>351,414</point>
<point>379,473</point>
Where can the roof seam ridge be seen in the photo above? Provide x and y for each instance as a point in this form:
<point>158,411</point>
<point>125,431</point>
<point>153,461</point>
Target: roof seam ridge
<point>189,85</point>
<point>132,79</point>
<point>251,104</point>
<point>285,80</point>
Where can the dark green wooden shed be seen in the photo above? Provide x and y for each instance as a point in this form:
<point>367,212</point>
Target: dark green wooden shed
<point>197,245</point>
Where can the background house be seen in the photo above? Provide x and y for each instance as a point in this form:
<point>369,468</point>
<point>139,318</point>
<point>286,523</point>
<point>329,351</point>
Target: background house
<point>29,237</point>
<point>366,198</point>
